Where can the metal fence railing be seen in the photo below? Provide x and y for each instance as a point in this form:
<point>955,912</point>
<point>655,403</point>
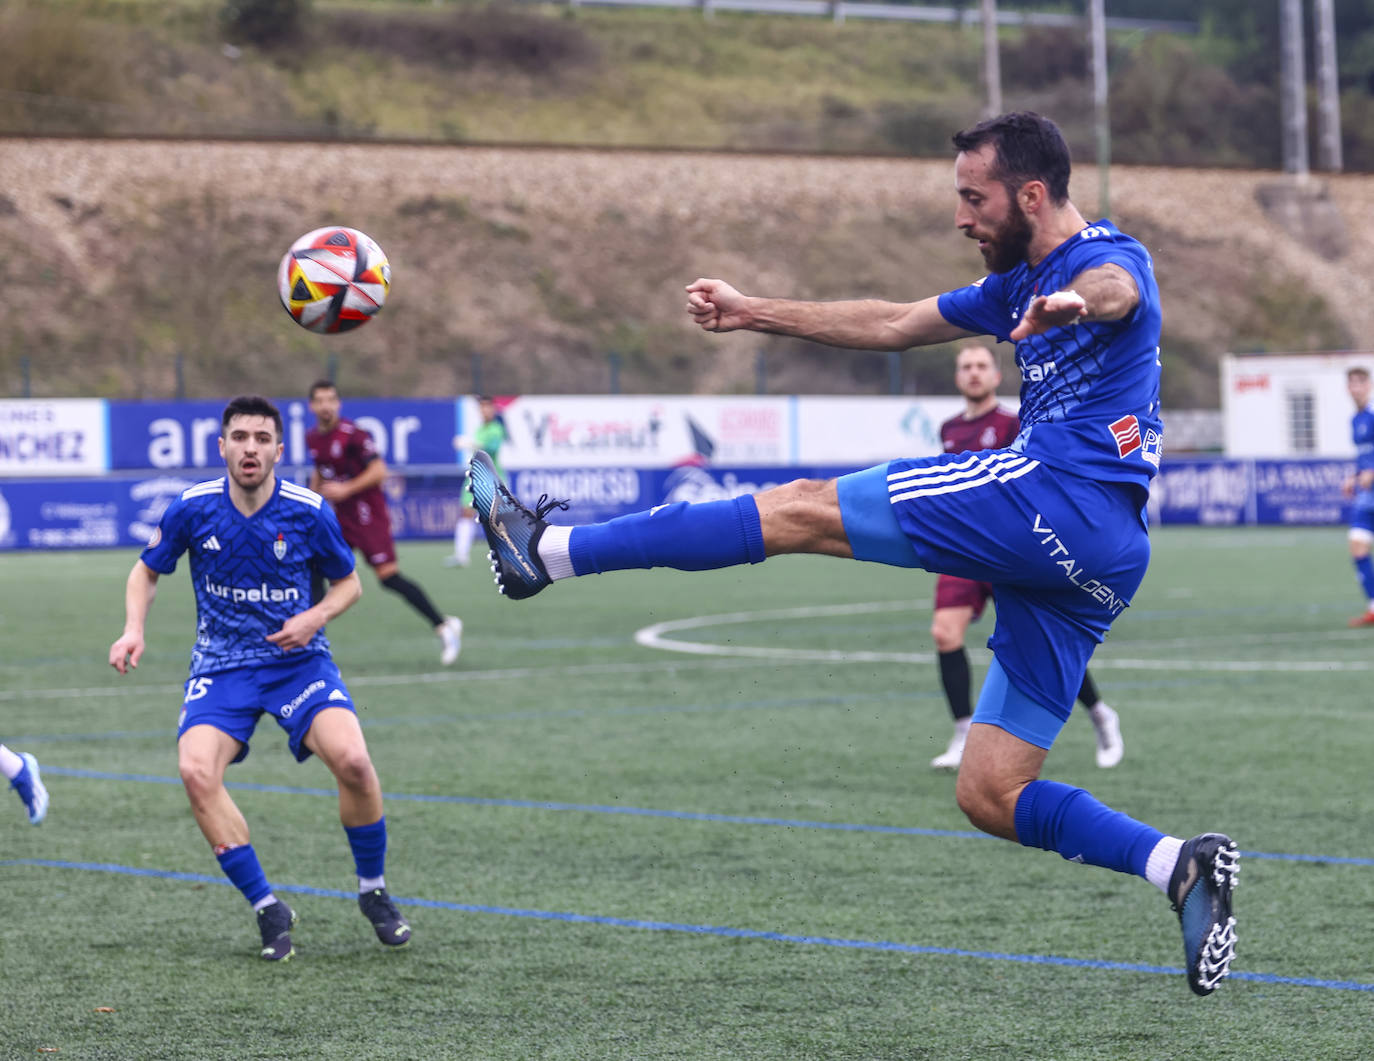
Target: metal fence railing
<point>840,10</point>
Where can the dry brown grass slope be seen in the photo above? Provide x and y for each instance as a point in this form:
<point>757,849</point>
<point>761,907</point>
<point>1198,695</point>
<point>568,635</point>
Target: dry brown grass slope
<point>118,255</point>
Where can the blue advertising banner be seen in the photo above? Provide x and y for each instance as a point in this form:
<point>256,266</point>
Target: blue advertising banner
<point>1301,491</point>
<point>177,435</point>
<point>83,513</point>
<point>1209,492</point>
<point>121,512</point>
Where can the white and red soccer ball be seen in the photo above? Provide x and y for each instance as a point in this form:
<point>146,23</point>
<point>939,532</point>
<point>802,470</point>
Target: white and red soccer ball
<point>333,279</point>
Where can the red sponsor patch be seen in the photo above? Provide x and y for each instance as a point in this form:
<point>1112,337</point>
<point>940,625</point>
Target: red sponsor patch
<point>1126,431</point>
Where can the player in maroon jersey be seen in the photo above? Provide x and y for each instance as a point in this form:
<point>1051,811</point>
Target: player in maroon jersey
<point>349,473</point>
<point>959,601</point>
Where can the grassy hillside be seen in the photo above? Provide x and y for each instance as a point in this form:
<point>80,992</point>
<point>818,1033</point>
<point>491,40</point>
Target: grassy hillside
<point>120,257</point>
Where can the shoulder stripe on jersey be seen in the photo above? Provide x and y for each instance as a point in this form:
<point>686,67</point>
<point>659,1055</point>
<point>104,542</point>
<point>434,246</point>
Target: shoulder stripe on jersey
<point>301,494</point>
<point>212,486</point>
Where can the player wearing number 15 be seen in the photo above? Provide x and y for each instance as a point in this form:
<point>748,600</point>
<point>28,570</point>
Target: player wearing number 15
<point>260,648</point>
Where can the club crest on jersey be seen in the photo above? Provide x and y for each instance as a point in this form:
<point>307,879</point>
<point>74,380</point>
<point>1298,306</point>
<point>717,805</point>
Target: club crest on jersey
<point>279,547</point>
<point>1126,432</point>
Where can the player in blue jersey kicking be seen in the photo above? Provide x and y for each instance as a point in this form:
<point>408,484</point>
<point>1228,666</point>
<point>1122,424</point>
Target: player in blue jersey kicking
<point>1055,521</point>
<point>1359,488</point>
<point>260,647</point>
<point>21,769</point>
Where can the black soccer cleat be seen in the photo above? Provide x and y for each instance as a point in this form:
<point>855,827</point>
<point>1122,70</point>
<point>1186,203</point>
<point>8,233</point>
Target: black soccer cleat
<point>512,530</point>
<point>275,922</point>
<point>391,928</point>
<point>1200,890</point>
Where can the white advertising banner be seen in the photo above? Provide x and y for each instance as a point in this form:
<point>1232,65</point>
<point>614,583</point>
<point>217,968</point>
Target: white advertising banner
<point>58,436</point>
<point>553,431</point>
<point>865,431</point>
<point>577,431</point>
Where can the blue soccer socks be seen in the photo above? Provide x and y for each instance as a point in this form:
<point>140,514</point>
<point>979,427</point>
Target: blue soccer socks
<point>1364,569</point>
<point>1059,817</point>
<point>240,864</point>
<point>368,843</point>
<point>688,537</point>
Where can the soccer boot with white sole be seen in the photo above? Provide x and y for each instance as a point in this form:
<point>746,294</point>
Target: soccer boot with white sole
<point>451,635</point>
<point>952,756</point>
<point>1110,746</point>
<point>512,530</point>
<point>29,784</point>
<point>1200,890</point>
<point>275,921</point>
<point>391,928</point>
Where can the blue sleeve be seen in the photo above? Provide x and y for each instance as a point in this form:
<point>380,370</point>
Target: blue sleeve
<point>980,308</point>
<point>334,555</point>
<point>1100,246</point>
<point>169,540</point>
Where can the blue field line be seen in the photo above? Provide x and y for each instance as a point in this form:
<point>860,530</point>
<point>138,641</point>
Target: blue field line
<point>703,930</point>
<point>641,812</point>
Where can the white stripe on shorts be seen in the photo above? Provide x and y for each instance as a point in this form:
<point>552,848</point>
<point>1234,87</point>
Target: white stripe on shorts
<point>976,470</point>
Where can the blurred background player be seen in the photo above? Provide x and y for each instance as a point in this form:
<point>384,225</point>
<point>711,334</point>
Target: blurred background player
<point>489,438</point>
<point>349,472</point>
<point>1360,487</point>
<point>253,541</point>
<point>984,424</point>
<point>22,770</point>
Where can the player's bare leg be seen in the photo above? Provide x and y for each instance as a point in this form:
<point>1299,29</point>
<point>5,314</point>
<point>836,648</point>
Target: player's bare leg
<point>203,754</point>
<point>337,738</point>
<point>803,516</point>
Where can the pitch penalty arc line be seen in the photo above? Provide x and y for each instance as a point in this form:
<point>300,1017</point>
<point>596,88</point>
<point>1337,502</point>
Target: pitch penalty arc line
<point>655,636</point>
<point>643,812</point>
<point>723,931</point>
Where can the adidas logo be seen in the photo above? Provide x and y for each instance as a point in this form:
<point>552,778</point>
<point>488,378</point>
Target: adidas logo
<point>337,694</point>
<point>210,544</point>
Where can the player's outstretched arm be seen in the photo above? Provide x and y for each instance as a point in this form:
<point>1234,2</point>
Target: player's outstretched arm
<point>862,324</point>
<point>139,591</point>
<point>1103,293</point>
<point>297,631</point>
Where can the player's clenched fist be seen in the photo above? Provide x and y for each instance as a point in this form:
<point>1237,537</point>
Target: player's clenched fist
<point>715,305</point>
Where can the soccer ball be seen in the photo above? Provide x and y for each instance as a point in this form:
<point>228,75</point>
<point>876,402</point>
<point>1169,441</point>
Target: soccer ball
<point>333,279</point>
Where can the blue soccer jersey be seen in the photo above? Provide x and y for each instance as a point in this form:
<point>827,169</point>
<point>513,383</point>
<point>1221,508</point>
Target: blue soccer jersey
<point>1362,432</point>
<point>1089,392</point>
<point>250,573</point>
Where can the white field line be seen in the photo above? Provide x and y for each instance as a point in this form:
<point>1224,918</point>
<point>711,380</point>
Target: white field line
<point>655,636</point>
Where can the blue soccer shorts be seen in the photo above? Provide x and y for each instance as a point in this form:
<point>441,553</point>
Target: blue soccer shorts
<point>1064,555</point>
<point>293,692</point>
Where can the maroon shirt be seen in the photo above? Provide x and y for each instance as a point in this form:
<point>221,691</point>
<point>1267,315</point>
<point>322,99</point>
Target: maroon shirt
<point>342,454</point>
<point>993,430</point>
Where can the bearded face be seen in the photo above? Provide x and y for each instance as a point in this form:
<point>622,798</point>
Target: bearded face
<point>1008,243</point>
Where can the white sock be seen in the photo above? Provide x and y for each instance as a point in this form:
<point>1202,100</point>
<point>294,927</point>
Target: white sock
<point>266,900</point>
<point>553,551</point>
<point>370,884</point>
<point>463,536</point>
<point>1098,712</point>
<point>10,764</point>
<point>961,725</point>
<point>1160,865</point>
